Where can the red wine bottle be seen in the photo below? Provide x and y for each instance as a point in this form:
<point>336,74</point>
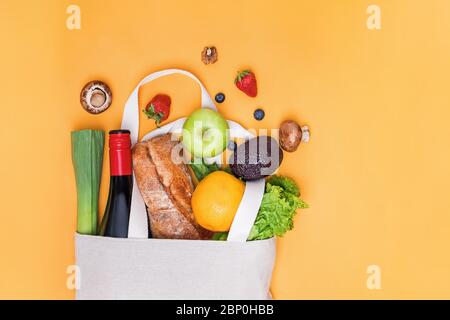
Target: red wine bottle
<point>117,214</point>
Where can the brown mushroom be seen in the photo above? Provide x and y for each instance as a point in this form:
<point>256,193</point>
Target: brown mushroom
<point>96,97</point>
<point>291,134</point>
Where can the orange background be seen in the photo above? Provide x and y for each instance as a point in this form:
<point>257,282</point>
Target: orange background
<point>376,172</point>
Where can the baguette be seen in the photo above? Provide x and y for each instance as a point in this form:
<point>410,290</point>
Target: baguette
<point>166,188</point>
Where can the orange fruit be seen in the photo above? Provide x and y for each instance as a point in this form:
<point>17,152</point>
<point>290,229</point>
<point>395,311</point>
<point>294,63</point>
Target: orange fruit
<point>216,199</point>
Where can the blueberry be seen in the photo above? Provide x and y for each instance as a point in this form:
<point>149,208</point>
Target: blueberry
<point>259,114</point>
<point>220,97</point>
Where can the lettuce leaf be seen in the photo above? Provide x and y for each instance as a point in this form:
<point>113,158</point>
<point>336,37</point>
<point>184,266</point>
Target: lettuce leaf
<point>287,184</point>
<point>201,169</point>
<point>278,208</point>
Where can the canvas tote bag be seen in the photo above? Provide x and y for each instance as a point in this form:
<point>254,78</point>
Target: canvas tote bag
<point>141,268</point>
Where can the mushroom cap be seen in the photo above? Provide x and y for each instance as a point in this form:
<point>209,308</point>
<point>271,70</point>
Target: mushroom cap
<point>290,135</point>
<point>96,97</point>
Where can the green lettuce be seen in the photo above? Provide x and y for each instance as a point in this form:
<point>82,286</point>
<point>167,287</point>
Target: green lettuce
<point>278,208</point>
<point>201,169</point>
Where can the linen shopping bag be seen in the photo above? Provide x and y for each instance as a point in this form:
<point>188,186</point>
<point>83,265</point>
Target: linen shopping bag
<point>141,268</point>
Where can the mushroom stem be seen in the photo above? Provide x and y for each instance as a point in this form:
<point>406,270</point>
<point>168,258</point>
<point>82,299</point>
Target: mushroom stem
<point>305,134</point>
<point>96,97</point>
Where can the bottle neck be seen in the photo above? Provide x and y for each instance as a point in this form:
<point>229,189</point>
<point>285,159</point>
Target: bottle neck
<point>120,155</point>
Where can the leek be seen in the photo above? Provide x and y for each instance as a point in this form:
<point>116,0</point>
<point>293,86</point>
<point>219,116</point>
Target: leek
<point>87,159</point>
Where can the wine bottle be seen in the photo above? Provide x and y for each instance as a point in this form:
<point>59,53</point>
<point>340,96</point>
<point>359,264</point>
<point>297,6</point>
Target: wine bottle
<point>117,213</point>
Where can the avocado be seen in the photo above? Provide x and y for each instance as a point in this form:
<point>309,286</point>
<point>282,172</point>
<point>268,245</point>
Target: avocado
<point>256,158</point>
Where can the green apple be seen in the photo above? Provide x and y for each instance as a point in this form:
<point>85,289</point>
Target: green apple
<point>205,133</point>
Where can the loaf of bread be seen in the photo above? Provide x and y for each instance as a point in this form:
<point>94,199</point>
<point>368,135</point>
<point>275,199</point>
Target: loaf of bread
<point>166,187</point>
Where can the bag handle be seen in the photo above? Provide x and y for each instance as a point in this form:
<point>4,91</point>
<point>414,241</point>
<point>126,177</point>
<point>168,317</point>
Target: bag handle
<point>254,190</point>
<point>130,118</point>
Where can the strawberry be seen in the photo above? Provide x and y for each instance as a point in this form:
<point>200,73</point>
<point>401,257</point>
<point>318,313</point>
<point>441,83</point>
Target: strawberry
<point>158,108</point>
<point>246,82</point>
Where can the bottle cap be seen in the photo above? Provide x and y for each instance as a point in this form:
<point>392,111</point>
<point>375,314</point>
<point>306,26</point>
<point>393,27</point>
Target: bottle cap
<point>120,152</point>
